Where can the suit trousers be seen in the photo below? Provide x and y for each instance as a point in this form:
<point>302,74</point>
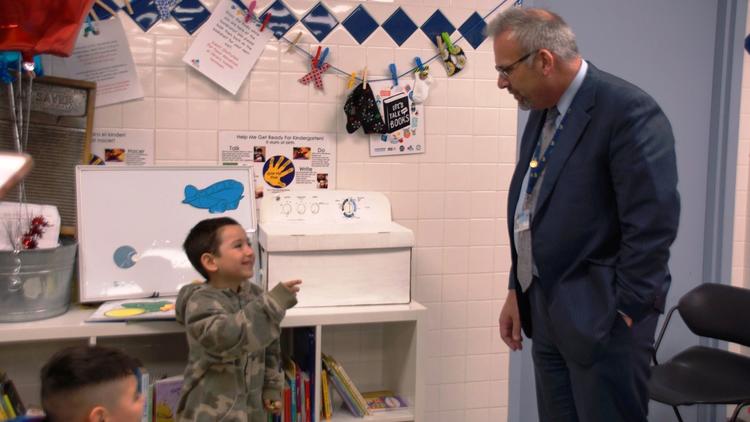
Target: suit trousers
<point>612,389</point>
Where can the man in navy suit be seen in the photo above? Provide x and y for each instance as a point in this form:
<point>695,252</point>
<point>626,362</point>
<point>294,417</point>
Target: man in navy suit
<point>593,208</point>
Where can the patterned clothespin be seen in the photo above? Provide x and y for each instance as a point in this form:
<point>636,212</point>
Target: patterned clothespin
<point>164,7</point>
<point>315,75</point>
<point>89,26</point>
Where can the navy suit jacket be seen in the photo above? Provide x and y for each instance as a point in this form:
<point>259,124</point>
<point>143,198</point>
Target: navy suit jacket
<point>607,213</point>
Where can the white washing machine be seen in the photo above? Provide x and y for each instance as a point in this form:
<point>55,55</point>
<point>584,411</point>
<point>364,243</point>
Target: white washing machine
<point>343,245</point>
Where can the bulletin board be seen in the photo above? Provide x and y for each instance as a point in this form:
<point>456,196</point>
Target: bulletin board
<point>132,222</point>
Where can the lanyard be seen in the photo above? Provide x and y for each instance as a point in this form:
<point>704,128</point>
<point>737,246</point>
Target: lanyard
<point>537,165</point>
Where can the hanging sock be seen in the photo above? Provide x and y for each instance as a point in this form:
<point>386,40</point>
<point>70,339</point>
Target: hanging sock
<point>453,56</point>
<point>361,110</point>
<point>422,82</point>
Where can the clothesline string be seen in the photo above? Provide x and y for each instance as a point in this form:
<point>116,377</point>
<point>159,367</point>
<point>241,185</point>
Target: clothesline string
<point>412,69</point>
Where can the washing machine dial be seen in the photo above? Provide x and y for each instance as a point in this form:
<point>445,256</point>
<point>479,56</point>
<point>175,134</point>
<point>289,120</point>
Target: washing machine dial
<point>349,207</point>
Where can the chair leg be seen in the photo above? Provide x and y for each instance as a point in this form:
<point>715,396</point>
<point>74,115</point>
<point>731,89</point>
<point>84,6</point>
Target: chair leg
<point>677,413</point>
<point>737,409</point>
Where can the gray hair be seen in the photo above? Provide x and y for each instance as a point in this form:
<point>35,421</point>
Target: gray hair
<point>534,29</point>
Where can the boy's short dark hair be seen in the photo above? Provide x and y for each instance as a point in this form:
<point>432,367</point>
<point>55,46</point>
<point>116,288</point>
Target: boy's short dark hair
<point>203,238</point>
<point>75,368</point>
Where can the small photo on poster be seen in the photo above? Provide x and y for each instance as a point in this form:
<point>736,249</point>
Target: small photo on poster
<point>259,154</point>
<point>322,180</point>
<point>114,154</point>
<point>302,153</point>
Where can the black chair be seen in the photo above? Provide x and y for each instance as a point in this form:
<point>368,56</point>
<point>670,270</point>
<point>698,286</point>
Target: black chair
<point>705,375</point>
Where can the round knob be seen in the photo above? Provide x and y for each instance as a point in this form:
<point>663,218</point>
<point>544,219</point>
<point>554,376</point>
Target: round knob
<point>349,207</point>
<point>314,208</point>
<point>301,209</point>
<point>286,209</point>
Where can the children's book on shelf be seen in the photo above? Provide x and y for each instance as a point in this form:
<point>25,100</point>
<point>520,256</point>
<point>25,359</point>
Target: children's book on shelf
<point>347,390</point>
<point>135,309</point>
<point>327,410</point>
<point>384,400</point>
<point>10,402</point>
<point>166,397</point>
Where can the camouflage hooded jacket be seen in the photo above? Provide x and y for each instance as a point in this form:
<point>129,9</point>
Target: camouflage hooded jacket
<point>234,351</point>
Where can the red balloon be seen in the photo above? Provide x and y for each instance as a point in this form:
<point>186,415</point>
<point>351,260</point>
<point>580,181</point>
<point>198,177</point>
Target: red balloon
<point>41,26</point>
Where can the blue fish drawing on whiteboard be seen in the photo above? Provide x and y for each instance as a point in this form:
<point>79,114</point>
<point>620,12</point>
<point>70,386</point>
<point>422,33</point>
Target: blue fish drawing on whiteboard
<point>217,198</point>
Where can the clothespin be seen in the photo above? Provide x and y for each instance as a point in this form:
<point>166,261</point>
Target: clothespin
<point>296,40</point>
<point>317,56</point>
<point>250,9</point>
<point>323,58</point>
<point>394,74</point>
<point>420,66</point>
<point>352,79</point>
<point>364,78</point>
<point>129,7</point>
<point>448,42</point>
<point>265,21</point>
<point>90,27</point>
<point>104,6</point>
<point>441,47</point>
<point>92,14</point>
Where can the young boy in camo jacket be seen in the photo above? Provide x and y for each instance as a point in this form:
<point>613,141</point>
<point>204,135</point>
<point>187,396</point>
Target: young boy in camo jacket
<point>233,329</point>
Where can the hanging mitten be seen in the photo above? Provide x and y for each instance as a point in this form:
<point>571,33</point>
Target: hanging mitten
<point>422,82</point>
<point>361,110</point>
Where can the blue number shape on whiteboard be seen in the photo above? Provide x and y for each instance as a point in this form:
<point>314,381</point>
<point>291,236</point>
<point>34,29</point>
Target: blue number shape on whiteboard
<point>124,256</point>
<point>217,198</point>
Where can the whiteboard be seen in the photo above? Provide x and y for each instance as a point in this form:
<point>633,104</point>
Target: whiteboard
<point>132,222</point>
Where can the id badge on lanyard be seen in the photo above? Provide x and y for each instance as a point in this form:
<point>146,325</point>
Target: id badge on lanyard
<point>523,219</point>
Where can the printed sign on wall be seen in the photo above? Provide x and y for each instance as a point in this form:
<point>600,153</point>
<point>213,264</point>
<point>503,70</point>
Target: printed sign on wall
<point>282,161</point>
<point>403,120</point>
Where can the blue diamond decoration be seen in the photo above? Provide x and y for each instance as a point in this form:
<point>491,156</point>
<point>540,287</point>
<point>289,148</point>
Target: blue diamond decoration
<point>145,14</point>
<point>319,21</point>
<point>190,14</point>
<point>360,24</point>
<point>473,30</point>
<point>282,19</point>
<point>399,26</point>
<point>102,13</point>
<point>436,25</point>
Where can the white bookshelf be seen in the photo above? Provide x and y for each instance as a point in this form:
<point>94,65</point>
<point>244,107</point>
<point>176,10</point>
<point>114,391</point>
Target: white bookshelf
<point>393,336</point>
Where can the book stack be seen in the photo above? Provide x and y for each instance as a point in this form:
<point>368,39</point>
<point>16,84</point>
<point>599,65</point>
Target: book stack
<point>297,394</point>
<point>10,402</point>
<point>345,387</point>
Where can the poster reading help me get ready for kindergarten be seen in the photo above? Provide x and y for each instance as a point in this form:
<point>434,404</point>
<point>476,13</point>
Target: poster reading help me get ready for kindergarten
<point>282,160</point>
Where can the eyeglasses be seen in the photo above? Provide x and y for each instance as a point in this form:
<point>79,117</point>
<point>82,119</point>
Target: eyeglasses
<point>505,71</point>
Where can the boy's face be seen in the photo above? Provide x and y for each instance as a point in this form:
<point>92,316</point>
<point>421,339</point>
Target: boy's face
<point>127,406</point>
<point>234,260</point>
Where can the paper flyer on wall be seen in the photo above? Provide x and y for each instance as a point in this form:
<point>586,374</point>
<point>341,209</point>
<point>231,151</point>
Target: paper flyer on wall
<point>227,47</point>
<point>103,58</point>
<point>404,120</point>
<point>122,147</point>
<point>282,161</point>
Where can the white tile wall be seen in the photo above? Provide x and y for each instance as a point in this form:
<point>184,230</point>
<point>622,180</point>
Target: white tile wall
<point>452,196</point>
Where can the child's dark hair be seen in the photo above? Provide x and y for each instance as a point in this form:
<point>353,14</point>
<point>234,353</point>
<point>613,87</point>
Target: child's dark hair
<point>74,368</point>
<point>204,238</point>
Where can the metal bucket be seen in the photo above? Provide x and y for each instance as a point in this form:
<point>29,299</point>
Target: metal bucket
<point>41,288</point>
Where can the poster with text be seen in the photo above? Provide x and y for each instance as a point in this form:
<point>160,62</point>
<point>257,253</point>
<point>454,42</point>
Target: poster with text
<point>103,58</point>
<point>282,161</point>
<point>122,147</point>
<point>227,47</point>
<point>404,120</point>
